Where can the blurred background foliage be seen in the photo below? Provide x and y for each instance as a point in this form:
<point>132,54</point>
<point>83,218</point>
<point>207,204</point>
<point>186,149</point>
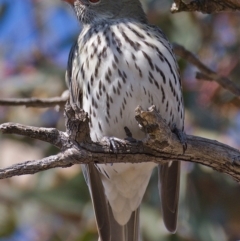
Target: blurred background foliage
<point>35,39</point>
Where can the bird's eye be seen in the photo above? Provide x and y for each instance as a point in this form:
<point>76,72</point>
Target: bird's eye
<point>94,1</point>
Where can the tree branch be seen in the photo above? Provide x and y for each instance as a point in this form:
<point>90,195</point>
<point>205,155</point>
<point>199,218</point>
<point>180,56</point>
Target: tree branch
<point>50,135</point>
<point>161,145</point>
<point>206,73</point>
<point>35,102</point>
<point>205,6</point>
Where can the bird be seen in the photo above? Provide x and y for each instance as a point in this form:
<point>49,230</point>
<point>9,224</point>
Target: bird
<point>119,62</point>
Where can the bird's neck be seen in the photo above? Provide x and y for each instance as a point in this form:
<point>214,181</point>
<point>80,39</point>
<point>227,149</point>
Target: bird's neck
<point>132,10</point>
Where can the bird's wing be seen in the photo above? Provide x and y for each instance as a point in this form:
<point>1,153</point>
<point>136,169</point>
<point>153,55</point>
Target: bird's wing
<point>108,228</point>
<point>169,180</point>
<point>75,92</point>
<point>169,173</point>
<point>100,205</point>
<point>90,172</point>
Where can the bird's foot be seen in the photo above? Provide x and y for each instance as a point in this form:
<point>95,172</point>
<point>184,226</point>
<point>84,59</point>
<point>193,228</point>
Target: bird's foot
<point>181,136</point>
<point>114,143</point>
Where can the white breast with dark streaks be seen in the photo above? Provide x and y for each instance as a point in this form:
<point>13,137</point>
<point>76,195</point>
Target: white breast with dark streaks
<point>123,65</point>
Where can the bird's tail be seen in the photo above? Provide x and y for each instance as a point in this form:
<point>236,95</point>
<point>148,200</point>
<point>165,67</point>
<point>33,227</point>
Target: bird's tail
<point>108,228</point>
<point>169,177</point>
<point>128,232</point>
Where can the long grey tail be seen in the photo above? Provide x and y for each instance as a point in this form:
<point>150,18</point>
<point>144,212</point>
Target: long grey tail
<point>169,177</point>
<point>108,228</point>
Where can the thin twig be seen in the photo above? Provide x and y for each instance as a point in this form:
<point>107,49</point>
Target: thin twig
<point>207,73</point>
<point>34,166</point>
<point>34,102</point>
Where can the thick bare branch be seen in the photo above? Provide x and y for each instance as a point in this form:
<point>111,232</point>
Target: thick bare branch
<point>200,150</point>
<point>205,6</point>
<point>50,135</point>
<point>160,146</point>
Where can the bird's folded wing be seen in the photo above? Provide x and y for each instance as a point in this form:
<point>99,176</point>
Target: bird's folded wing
<point>100,205</point>
<point>169,177</point>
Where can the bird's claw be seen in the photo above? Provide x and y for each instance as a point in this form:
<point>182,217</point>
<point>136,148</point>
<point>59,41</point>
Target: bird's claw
<point>114,143</point>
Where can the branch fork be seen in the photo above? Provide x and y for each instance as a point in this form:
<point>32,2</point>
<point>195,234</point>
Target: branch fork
<point>160,146</point>
<point>160,136</point>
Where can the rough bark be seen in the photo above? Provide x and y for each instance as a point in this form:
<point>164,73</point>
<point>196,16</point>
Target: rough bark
<point>161,145</point>
<point>205,6</point>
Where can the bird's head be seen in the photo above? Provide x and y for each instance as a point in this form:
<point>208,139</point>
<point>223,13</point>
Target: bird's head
<point>95,11</point>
